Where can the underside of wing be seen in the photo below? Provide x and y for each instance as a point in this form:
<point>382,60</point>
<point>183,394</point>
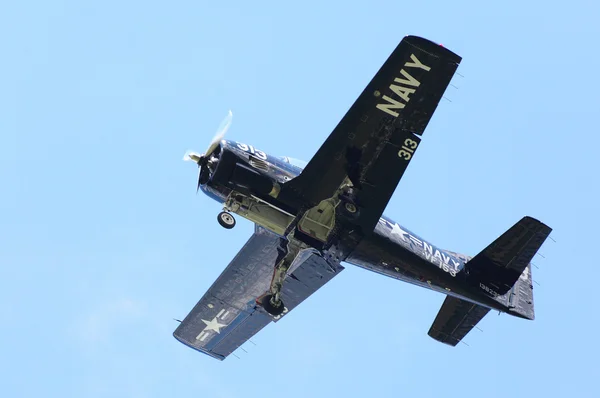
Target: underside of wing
<point>228,314</point>
<point>374,142</point>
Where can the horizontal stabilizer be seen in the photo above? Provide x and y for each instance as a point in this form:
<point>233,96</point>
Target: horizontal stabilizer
<point>498,267</point>
<point>456,318</point>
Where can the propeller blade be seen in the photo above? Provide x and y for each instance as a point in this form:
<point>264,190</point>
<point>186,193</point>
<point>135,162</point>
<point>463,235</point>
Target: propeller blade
<point>223,127</point>
<point>199,175</point>
<point>202,159</point>
<point>192,157</point>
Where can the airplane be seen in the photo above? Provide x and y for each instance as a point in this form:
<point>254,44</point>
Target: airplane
<point>310,217</point>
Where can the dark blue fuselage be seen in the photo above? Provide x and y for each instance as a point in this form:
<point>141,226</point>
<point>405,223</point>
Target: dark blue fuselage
<point>391,250</point>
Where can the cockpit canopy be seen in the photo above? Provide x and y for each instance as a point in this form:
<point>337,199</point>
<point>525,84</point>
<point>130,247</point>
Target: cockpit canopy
<point>294,162</point>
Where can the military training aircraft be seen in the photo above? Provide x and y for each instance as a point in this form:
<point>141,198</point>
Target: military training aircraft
<point>309,218</point>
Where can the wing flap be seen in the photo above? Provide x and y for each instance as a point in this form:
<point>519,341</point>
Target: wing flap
<point>312,272</point>
<point>455,319</point>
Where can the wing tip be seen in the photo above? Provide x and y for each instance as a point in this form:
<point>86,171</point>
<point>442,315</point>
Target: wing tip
<point>540,226</point>
<point>430,46</point>
<point>188,344</point>
<point>442,337</point>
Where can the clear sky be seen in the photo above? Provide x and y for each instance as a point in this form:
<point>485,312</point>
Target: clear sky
<point>103,240</point>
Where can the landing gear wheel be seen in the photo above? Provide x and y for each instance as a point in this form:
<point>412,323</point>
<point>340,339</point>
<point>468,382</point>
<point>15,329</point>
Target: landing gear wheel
<point>226,220</point>
<point>270,307</point>
<point>348,208</point>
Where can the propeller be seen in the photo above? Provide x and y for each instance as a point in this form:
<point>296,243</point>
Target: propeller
<point>202,159</point>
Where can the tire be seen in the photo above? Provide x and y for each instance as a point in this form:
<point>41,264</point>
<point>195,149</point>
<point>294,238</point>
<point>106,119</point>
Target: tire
<point>348,209</point>
<point>226,220</point>
<point>270,308</point>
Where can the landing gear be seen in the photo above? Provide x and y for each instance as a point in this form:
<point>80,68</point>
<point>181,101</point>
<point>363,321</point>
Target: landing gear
<point>287,250</point>
<point>273,307</point>
<point>348,208</point>
<point>226,220</point>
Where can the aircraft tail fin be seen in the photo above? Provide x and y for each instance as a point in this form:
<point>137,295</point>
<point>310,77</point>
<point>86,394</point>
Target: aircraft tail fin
<point>502,270</point>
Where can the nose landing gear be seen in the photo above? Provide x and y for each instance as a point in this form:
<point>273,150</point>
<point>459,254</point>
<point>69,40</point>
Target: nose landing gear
<point>226,220</point>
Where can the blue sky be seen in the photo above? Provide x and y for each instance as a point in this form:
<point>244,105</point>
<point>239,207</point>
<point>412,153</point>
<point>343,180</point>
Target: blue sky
<point>103,240</point>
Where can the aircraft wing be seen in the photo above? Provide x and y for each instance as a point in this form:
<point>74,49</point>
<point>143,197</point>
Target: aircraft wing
<point>377,138</point>
<point>227,315</point>
<point>455,319</point>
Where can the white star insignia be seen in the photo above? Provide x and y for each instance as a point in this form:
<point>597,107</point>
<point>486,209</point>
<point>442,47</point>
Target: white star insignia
<point>213,325</point>
<point>396,230</point>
